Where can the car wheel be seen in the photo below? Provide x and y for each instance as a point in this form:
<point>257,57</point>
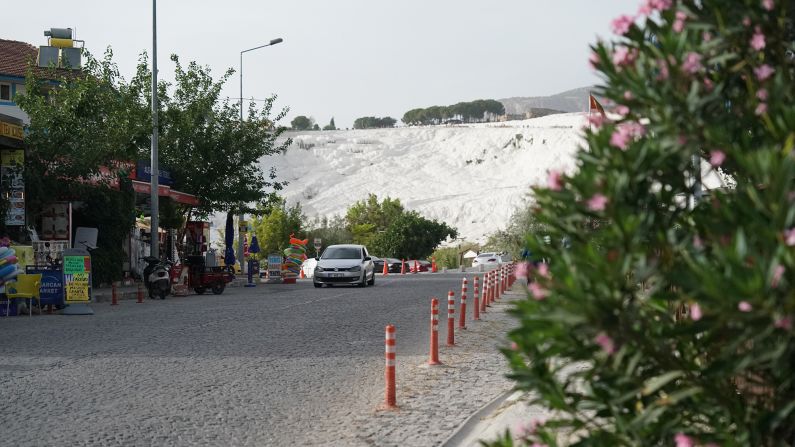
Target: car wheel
<point>371,282</point>
<point>363,282</point>
<point>218,288</point>
<point>200,290</point>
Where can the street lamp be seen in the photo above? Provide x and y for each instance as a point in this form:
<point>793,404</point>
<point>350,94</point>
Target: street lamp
<point>242,215</point>
<point>154,170</point>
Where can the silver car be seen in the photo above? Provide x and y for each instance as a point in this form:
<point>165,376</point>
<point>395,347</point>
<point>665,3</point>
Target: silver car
<point>344,264</point>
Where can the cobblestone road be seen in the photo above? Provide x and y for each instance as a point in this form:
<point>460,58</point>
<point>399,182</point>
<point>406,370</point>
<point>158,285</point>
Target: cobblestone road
<point>275,365</point>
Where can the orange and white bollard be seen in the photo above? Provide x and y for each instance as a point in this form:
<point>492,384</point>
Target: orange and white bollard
<point>402,267</point>
<point>450,318</point>
<point>462,323</point>
<point>114,298</point>
<point>434,360</point>
<point>140,293</point>
<point>389,345</point>
<point>485,298</point>
<point>433,265</point>
<point>475,294</point>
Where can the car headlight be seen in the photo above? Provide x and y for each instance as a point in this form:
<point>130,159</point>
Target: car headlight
<point>318,269</point>
<point>358,268</point>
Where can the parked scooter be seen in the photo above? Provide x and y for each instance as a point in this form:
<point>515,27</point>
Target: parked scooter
<point>156,277</point>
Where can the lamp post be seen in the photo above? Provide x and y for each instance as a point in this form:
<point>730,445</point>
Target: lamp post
<point>154,170</point>
<point>242,215</point>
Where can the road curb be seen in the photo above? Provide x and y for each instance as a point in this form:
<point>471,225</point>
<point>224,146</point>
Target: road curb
<point>468,426</point>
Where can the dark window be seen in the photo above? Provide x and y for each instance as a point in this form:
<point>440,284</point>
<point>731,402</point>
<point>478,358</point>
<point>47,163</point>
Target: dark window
<point>5,92</point>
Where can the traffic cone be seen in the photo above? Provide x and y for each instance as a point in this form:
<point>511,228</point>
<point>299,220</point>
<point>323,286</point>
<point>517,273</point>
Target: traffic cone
<point>302,276</point>
<point>386,268</point>
<point>433,265</point>
<point>416,267</point>
<point>402,267</point>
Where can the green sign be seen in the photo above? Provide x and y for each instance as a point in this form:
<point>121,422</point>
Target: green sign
<point>76,264</point>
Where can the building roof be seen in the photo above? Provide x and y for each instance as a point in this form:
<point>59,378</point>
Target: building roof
<point>15,57</point>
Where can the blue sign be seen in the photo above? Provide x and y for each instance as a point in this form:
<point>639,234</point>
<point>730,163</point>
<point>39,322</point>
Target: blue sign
<point>143,172</point>
<point>51,288</point>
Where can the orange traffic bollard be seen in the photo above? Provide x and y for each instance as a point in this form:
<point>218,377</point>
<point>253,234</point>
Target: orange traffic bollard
<point>140,293</point>
<point>450,319</point>
<point>462,323</point>
<point>475,293</point>
<point>114,299</point>
<point>434,360</point>
<point>402,267</point>
<point>433,265</point>
<point>390,366</point>
<point>386,268</point>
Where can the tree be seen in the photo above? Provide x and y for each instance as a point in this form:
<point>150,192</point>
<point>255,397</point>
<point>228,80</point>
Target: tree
<point>372,212</point>
<point>330,125</point>
<point>671,318</point>
<point>274,227</point>
<point>301,123</point>
<point>411,236</point>
<point>329,231</point>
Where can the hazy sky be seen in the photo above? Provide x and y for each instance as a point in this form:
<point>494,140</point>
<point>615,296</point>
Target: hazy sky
<point>349,58</point>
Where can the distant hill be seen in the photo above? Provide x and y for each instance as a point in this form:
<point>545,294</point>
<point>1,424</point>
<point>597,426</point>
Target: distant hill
<point>570,101</point>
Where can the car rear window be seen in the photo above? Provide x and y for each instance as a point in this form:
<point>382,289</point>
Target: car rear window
<point>342,253</point>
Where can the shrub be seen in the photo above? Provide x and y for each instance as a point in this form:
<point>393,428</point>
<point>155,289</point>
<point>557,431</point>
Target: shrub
<point>668,319</point>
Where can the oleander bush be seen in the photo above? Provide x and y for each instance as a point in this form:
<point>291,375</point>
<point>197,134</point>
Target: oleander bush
<point>665,318</point>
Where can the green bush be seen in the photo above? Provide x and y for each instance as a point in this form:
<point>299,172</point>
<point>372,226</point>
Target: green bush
<point>667,317</point>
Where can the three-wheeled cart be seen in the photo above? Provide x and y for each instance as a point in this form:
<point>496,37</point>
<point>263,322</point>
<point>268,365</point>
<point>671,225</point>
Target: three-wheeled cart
<point>201,277</point>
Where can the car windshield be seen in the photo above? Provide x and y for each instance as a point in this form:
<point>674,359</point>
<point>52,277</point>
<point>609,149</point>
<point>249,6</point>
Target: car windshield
<point>342,253</point>
<point>485,255</point>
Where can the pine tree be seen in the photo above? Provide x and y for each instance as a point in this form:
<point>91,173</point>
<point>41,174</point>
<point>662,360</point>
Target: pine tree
<point>665,315</point>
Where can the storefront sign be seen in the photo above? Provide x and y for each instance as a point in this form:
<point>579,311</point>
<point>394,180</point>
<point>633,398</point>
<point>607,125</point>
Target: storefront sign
<point>12,179</point>
<point>9,130</point>
<point>143,172</point>
<point>77,278</point>
<point>274,267</point>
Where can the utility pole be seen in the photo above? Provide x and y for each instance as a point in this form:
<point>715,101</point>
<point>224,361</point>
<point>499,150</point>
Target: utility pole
<point>155,171</point>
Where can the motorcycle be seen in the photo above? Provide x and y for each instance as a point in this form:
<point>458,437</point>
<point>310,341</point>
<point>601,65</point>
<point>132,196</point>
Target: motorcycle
<point>157,279</point>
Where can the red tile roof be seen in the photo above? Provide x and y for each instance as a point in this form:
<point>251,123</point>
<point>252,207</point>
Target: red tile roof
<point>15,57</point>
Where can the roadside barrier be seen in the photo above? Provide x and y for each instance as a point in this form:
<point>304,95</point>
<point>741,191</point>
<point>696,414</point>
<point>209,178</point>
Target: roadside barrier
<point>485,298</point>
<point>475,294</point>
<point>402,267</point>
<point>462,323</point>
<point>434,360</point>
<point>114,300</point>
<point>301,275</point>
<point>433,265</point>
<point>140,293</point>
<point>450,318</point>
<point>389,351</point>
<point>386,268</point>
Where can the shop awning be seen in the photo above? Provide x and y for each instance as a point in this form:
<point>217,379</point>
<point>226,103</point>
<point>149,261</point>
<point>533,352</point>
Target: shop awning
<point>165,191</point>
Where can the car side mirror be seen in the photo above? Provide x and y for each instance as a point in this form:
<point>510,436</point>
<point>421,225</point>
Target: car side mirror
<point>367,258</point>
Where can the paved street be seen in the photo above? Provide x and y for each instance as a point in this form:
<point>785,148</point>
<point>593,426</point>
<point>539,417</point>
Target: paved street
<point>274,365</point>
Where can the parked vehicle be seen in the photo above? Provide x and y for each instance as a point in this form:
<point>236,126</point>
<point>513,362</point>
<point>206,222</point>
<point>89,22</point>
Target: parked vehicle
<point>395,265</point>
<point>378,264</point>
<point>487,260</point>
<point>157,279</point>
<point>344,264</point>
<point>417,266</point>
<point>201,277</point>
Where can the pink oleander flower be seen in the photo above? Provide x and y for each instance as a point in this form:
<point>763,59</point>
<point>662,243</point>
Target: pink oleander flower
<point>682,440</point>
<point>596,120</point>
<point>768,4</point>
<point>745,306</point>
<point>746,21</point>
<point>538,444</point>
<point>789,237</point>
<point>663,72</point>
<point>597,202</point>
<point>679,23</point>
<point>784,322</point>
<point>605,342</point>
<point>628,95</point>
<point>708,85</point>
<point>761,109</point>
<point>554,181</point>
<point>778,272</point>
<point>762,94</point>
<point>514,346</point>
<point>758,39</point>
<point>763,72</point>
<point>623,56</point>
<point>621,24</point>
<point>625,133</point>
<point>622,110</point>
<point>658,5</point>
<point>717,157</point>
<point>695,312</point>
<point>620,139</point>
<point>522,269</point>
<point>543,270</point>
<point>692,63</point>
<point>706,37</point>
<point>697,242</point>
<point>593,60</point>
<point>538,291</point>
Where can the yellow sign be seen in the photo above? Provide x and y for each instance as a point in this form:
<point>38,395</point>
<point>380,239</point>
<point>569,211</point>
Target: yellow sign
<point>11,158</point>
<point>11,130</point>
<point>76,287</point>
